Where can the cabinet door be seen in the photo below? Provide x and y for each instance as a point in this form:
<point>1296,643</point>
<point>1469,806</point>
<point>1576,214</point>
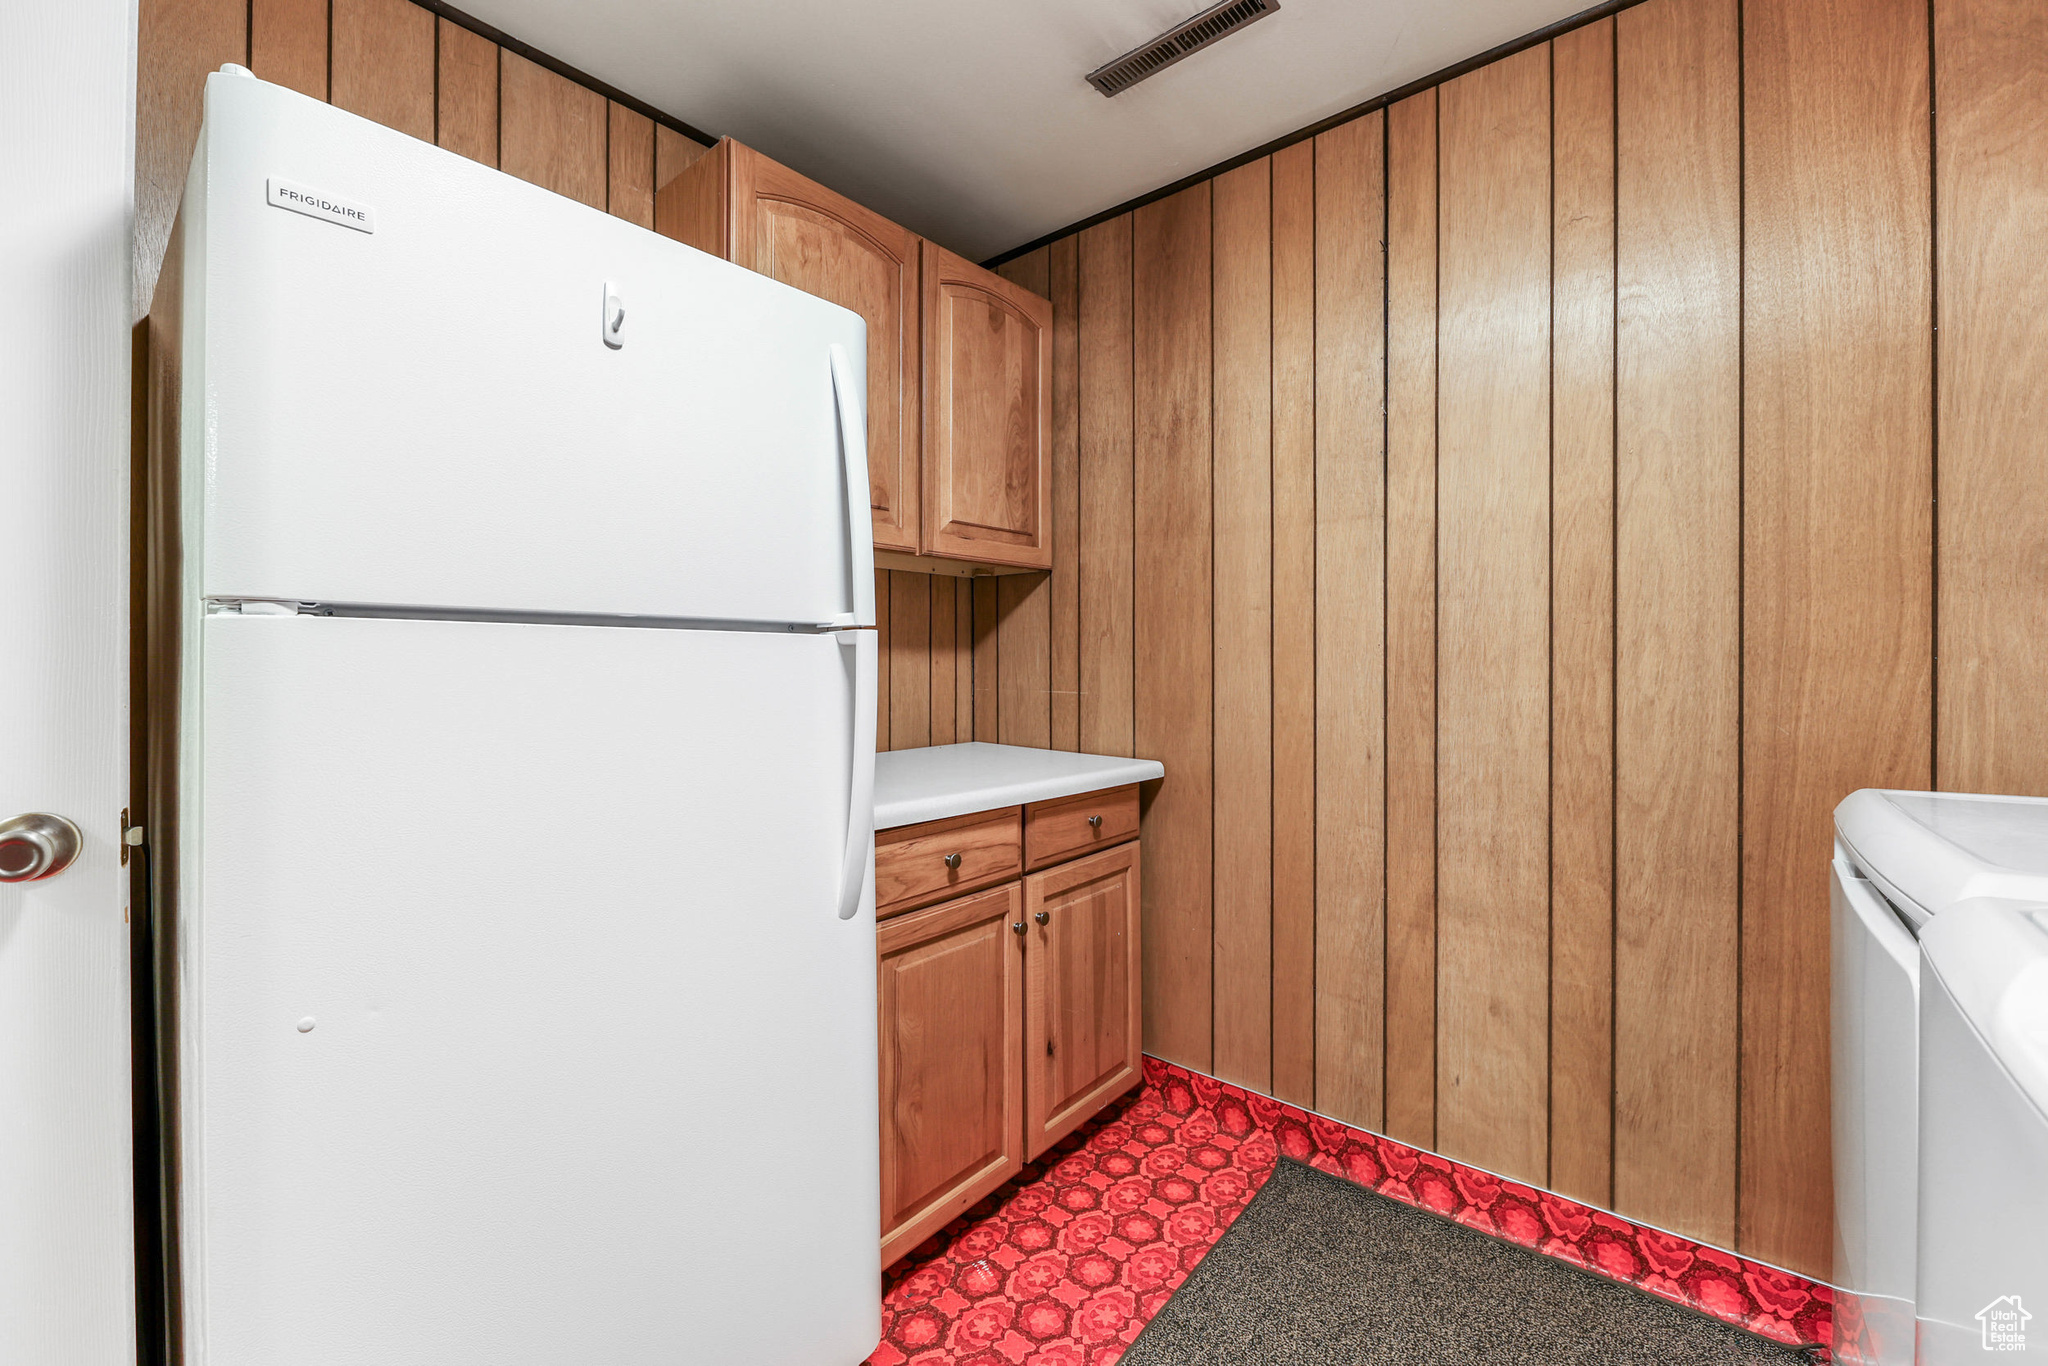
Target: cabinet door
<point>1082,1038</point>
<point>952,1011</point>
<point>738,204</point>
<point>987,415</point>
<point>797,231</point>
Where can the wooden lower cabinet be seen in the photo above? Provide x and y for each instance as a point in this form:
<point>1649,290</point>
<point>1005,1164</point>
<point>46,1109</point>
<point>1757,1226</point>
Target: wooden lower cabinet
<point>1081,1026</point>
<point>951,997</point>
<point>1008,1018</point>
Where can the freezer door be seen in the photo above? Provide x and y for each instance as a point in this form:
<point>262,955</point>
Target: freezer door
<point>520,1024</point>
<point>431,412</point>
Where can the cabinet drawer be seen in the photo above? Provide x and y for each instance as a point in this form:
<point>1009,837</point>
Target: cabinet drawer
<point>1068,827</point>
<point>919,864</point>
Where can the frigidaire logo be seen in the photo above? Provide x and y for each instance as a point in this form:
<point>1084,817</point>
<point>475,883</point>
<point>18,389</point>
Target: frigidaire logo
<point>285,194</point>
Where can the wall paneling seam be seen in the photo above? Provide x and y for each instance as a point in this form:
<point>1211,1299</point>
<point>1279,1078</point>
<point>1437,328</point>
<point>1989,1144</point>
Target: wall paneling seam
<point>1613,599</point>
<point>1934,780</point>
<point>1741,561</point>
<point>1550,658</point>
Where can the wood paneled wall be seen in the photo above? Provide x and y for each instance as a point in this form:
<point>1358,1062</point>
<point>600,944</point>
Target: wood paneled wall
<point>400,65</point>
<point>1511,517</point>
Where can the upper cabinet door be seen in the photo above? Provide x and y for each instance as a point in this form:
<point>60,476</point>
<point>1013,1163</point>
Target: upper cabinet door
<point>738,204</point>
<point>988,415</point>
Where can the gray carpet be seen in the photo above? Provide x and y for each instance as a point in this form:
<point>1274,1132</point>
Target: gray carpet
<point>1320,1272</point>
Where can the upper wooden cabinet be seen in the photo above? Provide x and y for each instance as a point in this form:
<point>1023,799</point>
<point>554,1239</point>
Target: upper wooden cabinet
<point>959,359</point>
<point>735,203</point>
<point>987,415</point>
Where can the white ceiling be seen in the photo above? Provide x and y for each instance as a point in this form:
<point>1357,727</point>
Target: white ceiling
<point>968,120</point>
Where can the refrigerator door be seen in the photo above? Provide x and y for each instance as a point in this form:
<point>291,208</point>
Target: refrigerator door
<point>519,1022</point>
<point>412,396</point>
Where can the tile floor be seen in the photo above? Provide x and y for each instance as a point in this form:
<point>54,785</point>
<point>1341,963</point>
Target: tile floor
<point>1064,1266</point>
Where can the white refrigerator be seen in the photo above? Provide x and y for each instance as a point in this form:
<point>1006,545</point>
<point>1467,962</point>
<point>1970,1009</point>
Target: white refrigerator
<point>524,925</point>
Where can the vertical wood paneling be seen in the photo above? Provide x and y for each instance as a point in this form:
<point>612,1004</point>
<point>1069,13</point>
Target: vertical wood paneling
<point>1106,566</point>
<point>963,649</point>
<point>910,661</point>
<point>1411,620</point>
<point>551,131</point>
<point>1582,619</point>
<point>1294,624</point>
<point>945,661</point>
<point>1024,604</point>
<point>1064,586</point>
<point>383,64</point>
<point>1838,552</point>
<point>467,101</point>
<point>1677,572</point>
<point>288,44</point>
<point>1170,321</point>
<point>629,192</point>
<point>985,653</point>
<point>177,43</point>
<point>1493,624</point>
<point>1242,644</point>
<point>1991,88</point>
<point>1350,487</point>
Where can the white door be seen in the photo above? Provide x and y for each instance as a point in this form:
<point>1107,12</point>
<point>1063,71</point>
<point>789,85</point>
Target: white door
<point>520,1022</point>
<point>67,88</point>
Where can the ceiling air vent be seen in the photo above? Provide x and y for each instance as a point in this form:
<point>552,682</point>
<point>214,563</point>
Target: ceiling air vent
<point>1177,42</point>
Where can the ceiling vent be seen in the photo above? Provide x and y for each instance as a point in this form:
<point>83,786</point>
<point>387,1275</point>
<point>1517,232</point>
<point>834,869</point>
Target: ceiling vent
<point>1149,59</point>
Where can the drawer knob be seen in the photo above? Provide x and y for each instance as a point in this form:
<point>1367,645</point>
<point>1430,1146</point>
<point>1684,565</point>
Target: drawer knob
<point>1017,925</point>
<point>1043,917</point>
<point>1095,822</point>
<point>952,860</point>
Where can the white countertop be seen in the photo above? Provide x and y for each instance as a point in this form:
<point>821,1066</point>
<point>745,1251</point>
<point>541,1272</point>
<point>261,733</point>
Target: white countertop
<point>913,785</point>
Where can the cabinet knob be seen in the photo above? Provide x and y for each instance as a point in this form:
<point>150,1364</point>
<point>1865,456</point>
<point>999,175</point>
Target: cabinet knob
<point>1095,822</point>
<point>952,860</point>
<point>1043,917</point>
<point>1017,925</point>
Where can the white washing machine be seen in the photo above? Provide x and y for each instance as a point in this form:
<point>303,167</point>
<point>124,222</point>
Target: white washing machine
<point>1901,860</point>
<point>1983,1266</point>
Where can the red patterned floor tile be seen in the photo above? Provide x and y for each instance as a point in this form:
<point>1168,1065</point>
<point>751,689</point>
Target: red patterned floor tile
<point>1067,1263</point>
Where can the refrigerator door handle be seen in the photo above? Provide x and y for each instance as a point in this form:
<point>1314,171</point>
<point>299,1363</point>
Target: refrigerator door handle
<point>853,459</point>
<point>860,796</point>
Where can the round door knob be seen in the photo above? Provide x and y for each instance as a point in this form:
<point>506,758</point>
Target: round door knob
<point>1095,822</point>
<point>1017,925</point>
<point>37,845</point>
<point>1043,917</point>
<point>952,860</point>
